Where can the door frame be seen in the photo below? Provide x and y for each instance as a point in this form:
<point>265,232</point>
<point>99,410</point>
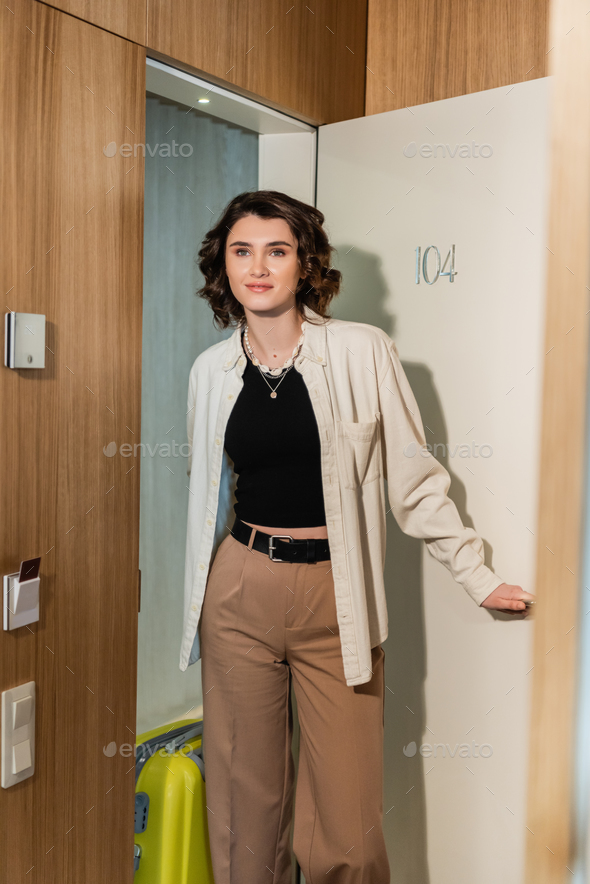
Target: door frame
<point>550,845</point>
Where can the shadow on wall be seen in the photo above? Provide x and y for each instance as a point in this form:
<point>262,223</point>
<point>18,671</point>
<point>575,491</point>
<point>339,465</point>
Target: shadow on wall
<point>362,299</point>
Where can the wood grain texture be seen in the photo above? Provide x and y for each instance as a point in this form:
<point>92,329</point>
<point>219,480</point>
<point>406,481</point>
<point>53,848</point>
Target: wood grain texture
<point>127,19</point>
<point>305,59</point>
<point>563,454</point>
<point>426,50</point>
<point>72,235</point>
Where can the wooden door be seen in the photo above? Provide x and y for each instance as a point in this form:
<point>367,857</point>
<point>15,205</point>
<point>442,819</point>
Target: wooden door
<point>72,233</point>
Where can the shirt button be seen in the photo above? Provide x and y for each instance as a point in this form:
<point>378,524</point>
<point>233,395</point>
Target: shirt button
<point>201,566</point>
<point>241,360</point>
<point>320,359</point>
<point>193,607</point>
<point>218,441</point>
<point>231,396</point>
<point>213,482</point>
<point>209,521</point>
<point>228,363</point>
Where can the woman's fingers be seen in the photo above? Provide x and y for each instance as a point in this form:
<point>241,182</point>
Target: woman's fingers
<point>515,604</point>
<point>508,598</point>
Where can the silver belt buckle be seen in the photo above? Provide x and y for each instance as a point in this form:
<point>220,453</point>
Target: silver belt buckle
<point>271,545</point>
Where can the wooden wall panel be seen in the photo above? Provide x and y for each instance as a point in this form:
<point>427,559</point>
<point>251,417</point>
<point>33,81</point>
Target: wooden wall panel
<point>307,59</point>
<point>127,18</point>
<point>564,446</point>
<point>72,234</point>
<point>425,50</point>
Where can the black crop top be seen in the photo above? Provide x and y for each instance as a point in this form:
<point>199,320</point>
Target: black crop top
<point>275,448</point>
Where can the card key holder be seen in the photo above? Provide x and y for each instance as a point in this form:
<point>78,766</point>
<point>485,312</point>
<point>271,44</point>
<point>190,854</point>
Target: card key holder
<point>21,595</point>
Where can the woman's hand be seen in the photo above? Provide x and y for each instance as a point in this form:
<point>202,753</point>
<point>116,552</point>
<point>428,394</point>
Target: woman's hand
<point>508,599</point>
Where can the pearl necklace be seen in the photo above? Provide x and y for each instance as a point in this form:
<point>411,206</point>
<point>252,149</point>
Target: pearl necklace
<point>264,369</point>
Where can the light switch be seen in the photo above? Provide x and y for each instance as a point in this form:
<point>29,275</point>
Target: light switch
<point>18,734</point>
<point>21,712</point>
<point>21,756</point>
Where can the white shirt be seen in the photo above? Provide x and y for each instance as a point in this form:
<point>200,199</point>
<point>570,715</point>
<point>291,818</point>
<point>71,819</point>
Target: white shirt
<point>370,430</point>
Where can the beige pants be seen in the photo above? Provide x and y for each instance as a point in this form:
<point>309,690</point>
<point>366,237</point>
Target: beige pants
<point>263,623</point>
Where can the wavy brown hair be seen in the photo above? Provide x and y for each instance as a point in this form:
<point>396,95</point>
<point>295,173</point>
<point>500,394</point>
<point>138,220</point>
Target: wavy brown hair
<point>321,282</point>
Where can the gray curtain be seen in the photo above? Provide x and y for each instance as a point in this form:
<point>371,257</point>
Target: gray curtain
<point>185,192</point>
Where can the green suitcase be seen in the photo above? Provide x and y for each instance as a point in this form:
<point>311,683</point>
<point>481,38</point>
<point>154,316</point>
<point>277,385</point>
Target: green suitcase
<point>171,834</point>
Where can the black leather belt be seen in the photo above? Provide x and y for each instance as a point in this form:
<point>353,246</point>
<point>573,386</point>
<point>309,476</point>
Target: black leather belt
<point>279,548</point>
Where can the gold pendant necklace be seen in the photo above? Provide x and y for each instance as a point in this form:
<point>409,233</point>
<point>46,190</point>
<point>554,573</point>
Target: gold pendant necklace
<point>288,362</point>
<point>273,395</point>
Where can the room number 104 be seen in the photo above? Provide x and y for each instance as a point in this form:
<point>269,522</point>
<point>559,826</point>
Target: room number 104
<point>451,272</point>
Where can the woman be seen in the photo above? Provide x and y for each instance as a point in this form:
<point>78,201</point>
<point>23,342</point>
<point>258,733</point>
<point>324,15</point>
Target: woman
<point>310,415</point>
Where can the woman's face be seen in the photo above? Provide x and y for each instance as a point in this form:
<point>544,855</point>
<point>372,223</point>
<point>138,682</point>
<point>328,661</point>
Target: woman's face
<point>262,265</point>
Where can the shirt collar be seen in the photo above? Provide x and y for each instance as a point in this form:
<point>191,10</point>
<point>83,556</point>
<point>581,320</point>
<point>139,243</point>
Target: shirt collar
<point>313,347</point>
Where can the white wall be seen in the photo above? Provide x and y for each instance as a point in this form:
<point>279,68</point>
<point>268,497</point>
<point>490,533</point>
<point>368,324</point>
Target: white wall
<point>287,162</point>
<point>473,352</point>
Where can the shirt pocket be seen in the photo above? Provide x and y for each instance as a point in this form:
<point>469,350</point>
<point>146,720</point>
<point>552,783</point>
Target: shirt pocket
<point>359,451</point>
